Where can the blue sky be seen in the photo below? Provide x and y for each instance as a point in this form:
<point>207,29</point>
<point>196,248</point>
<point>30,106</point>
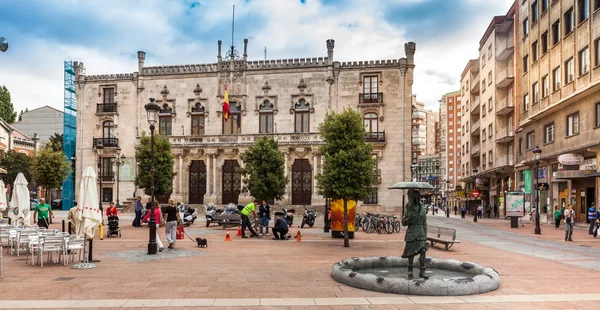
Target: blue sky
<point>106,35</point>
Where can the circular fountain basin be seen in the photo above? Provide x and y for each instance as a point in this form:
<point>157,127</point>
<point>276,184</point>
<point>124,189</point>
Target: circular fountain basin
<point>389,274</point>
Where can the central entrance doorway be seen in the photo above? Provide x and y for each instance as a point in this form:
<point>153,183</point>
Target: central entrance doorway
<point>197,183</point>
<point>301,182</point>
<point>232,182</point>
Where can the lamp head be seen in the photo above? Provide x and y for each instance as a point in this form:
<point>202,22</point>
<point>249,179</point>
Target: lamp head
<point>118,151</point>
<point>3,44</point>
<point>537,153</point>
<point>152,110</point>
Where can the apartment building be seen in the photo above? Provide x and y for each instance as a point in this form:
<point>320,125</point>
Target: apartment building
<point>419,131</point>
<point>428,170</point>
<point>431,119</point>
<point>559,103</point>
<point>487,88</point>
<point>450,144</point>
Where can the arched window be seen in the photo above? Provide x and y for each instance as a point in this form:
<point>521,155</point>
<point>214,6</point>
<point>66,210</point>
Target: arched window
<point>108,129</point>
<point>370,122</point>
<point>302,113</point>
<point>266,117</point>
<point>164,120</point>
<point>234,124</point>
<point>197,120</point>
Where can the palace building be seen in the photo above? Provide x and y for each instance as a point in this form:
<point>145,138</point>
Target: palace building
<point>285,99</point>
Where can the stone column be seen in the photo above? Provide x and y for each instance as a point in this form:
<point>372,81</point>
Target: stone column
<point>214,178</point>
<point>286,173</point>
<point>208,175</point>
<point>180,185</point>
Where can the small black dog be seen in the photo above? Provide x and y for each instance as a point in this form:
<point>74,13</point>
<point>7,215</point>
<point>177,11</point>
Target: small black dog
<point>202,242</point>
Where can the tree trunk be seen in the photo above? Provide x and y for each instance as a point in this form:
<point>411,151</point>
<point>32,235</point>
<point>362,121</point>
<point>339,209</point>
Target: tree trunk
<point>346,237</point>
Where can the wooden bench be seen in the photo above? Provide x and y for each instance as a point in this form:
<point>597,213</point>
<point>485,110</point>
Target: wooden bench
<point>446,236</point>
<point>228,220</point>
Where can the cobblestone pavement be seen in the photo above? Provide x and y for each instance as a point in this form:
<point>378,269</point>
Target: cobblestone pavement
<point>262,273</point>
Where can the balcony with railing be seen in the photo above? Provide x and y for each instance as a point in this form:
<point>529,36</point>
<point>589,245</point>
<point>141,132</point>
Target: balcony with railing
<point>504,105</point>
<point>505,76</point>
<point>475,150</point>
<point>106,142</point>
<point>108,178</point>
<point>370,98</point>
<point>475,104</point>
<point>475,128</point>
<point>505,161</point>
<point>505,134</point>
<point>504,47</point>
<point>378,137</point>
<point>104,108</point>
<point>419,115</point>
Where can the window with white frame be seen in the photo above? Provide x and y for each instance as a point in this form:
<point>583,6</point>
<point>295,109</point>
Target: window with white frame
<point>569,70</point>
<point>545,86</point>
<point>584,61</point>
<point>549,133</point>
<point>530,140</point>
<point>556,79</point>
<point>535,93</point>
<point>573,124</point>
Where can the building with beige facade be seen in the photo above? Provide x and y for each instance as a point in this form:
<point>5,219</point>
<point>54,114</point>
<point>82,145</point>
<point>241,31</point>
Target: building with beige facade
<point>488,122</point>
<point>285,99</point>
<point>419,131</point>
<point>432,118</point>
<point>559,110</point>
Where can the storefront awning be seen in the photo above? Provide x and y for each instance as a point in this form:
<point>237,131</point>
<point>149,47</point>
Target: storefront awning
<point>575,174</point>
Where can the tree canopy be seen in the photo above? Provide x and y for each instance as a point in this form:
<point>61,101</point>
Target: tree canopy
<point>7,111</point>
<point>50,169</point>
<point>55,142</point>
<point>163,165</point>
<point>14,163</point>
<point>264,170</point>
<point>348,168</point>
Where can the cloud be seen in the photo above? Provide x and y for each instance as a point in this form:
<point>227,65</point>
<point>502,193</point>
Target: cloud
<point>105,35</point>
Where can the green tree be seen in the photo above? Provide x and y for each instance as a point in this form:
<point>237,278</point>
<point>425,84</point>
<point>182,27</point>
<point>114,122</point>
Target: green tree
<point>163,165</point>
<point>264,169</point>
<point>14,163</point>
<point>348,168</point>
<point>7,111</point>
<point>50,169</point>
<point>55,142</point>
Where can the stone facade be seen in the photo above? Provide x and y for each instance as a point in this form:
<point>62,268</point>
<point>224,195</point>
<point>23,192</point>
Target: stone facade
<point>286,99</point>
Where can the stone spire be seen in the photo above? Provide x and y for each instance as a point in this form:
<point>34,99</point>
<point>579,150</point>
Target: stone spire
<point>141,57</point>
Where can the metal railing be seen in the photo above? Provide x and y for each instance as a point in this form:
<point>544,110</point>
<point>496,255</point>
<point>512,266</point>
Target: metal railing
<point>375,136</point>
<point>106,142</point>
<point>106,108</point>
<point>370,98</point>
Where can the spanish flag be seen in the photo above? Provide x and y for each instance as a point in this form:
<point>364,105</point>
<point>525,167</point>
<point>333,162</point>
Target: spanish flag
<point>226,110</point>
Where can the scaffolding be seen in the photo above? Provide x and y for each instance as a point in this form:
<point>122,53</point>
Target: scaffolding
<point>70,135</point>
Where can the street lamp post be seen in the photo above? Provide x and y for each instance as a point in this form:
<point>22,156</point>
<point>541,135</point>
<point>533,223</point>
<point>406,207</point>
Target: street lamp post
<point>100,151</point>
<point>447,207</point>
<point>119,162</point>
<point>152,110</point>
<point>74,166</point>
<point>474,187</point>
<point>537,153</point>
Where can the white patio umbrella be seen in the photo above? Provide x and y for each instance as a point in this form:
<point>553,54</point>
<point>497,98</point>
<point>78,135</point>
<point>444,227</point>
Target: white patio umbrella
<point>2,196</point>
<point>19,203</point>
<point>88,216</point>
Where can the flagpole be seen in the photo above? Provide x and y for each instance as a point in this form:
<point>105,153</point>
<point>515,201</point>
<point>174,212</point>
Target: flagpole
<point>232,29</point>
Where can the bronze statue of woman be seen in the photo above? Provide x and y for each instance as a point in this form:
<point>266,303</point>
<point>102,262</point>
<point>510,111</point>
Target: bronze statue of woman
<point>416,234</point>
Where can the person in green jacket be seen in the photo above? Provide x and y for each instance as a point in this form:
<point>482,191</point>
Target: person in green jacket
<point>557,215</point>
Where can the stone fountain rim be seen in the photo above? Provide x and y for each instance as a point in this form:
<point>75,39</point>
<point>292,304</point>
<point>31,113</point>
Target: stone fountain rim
<point>479,279</point>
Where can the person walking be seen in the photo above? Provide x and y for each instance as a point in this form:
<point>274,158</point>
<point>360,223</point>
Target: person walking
<point>479,211</point>
<point>455,210</point>
<point>249,208</point>
<point>157,218</point>
<point>42,214</point>
<point>592,216</point>
<point>172,220</point>
<point>569,223</point>
<point>463,210</point>
<point>264,216</point>
<point>138,212</point>
<point>556,217</point>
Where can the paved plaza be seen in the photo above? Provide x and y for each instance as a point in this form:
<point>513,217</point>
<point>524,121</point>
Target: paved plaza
<point>536,271</point>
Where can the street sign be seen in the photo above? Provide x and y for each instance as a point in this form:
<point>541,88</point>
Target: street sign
<point>475,193</point>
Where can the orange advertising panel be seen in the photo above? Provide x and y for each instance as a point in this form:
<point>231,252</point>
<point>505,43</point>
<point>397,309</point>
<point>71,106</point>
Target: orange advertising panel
<point>337,218</point>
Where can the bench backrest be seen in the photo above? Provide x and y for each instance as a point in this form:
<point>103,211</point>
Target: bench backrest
<point>441,231</point>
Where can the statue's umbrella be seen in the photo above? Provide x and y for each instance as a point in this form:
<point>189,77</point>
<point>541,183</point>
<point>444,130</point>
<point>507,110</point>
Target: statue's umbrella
<point>410,185</point>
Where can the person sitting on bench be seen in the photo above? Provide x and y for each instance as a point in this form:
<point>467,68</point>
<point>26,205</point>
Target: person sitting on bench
<point>280,229</point>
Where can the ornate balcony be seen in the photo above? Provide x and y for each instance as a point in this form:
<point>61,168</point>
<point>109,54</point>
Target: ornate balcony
<point>106,142</point>
<point>108,178</point>
<point>103,108</point>
<point>375,136</point>
<point>370,98</point>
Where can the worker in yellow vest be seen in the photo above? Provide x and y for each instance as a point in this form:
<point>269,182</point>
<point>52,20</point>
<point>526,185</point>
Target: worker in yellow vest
<point>249,208</point>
